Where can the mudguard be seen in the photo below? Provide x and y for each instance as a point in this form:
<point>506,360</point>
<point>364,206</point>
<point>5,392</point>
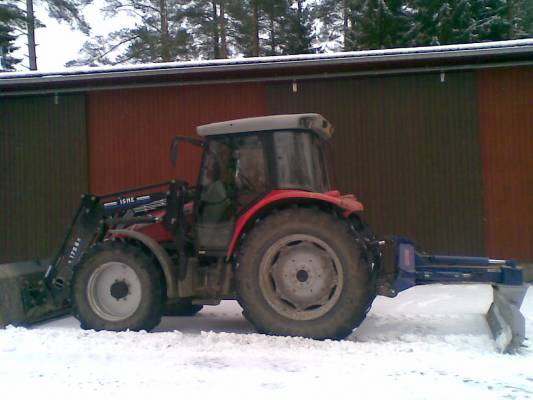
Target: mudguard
<point>348,203</point>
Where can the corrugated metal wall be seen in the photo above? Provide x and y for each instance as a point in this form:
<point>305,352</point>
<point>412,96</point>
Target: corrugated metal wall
<point>408,148</point>
<point>43,168</point>
<point>506,128</point>
<point>130,130</point>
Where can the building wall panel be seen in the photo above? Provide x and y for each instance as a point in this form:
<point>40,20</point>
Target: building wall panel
<point>130,130</point>
<point>44,170</point>
<point>506,129</point>
<point>408,148</point>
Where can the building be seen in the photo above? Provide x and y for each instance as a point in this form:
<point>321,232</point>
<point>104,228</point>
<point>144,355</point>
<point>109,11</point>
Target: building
<point>437,142</point>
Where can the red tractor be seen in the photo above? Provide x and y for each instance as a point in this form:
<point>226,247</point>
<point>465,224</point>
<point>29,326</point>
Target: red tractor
<point>263,225</point>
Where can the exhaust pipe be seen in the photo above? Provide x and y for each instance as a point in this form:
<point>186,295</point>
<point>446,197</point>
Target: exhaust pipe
<point>25,298</point>
<point>507,324</point>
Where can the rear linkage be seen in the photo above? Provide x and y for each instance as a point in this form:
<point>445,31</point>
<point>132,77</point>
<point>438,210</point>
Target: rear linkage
<point>34,291</point>
<point>403,267</point>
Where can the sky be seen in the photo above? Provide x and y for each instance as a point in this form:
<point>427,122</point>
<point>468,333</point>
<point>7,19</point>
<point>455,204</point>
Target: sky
<point>58,43</point>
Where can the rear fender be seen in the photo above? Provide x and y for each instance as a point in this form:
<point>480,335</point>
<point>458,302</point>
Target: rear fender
<point>347,204</point>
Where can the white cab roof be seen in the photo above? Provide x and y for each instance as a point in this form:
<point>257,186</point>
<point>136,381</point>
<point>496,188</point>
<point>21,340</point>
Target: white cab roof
<point>315,122</point>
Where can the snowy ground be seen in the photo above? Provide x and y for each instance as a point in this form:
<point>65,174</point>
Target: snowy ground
<point>430,342</point>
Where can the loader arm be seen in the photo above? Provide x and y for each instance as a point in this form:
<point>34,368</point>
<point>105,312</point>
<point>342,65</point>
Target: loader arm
<point>34,291</point>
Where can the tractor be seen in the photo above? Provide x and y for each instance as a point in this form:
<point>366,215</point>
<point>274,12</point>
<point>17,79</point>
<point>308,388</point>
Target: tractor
<point>263,225</point>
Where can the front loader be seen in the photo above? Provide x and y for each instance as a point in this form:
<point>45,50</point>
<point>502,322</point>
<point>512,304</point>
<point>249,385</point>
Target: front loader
<point>263,225</point>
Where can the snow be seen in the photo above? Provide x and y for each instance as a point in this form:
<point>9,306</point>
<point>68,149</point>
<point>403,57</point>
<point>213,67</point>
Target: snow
<point>365,54</point>
<point>429,342</point>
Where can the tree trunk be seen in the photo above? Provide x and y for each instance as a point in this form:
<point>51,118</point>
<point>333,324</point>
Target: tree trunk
<point>216,37</point>
<point>165,37</point>
<point>222,22</point>
<point>30,23</point>
<point>345,31</point>
<point>255,29</point>
<point>301,30</point>
<point>510,18</point>
<point>272,35</point>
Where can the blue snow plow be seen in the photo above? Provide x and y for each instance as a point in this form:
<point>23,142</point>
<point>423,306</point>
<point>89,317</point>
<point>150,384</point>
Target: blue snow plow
<point>409,267</point>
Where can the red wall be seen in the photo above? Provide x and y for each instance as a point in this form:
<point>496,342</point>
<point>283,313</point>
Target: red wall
<point>506,130</point>
<point>129,131</point>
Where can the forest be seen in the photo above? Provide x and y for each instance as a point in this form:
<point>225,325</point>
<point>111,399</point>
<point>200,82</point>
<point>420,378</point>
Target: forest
<point>175,30</point>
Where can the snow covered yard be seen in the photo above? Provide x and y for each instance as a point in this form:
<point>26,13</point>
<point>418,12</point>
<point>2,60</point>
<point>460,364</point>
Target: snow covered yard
<point>430,342</point>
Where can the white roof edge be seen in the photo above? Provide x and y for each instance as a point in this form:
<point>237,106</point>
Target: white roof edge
<point>310,121</point>
<point>274,59</point>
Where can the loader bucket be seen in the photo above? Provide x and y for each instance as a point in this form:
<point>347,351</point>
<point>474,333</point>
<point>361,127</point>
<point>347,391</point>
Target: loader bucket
<point>24,296</point>
<point>507,324</point>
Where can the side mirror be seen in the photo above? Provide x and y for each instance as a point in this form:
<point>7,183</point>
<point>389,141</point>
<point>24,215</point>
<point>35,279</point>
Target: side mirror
<point>174,146</point>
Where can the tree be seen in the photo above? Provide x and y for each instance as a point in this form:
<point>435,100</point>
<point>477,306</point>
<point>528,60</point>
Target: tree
<point>299,36</point>
<point>157,36</point>
<point>381,24</point>
<point>489,20</point>
<point>270,27</point>
<point>208,26</point>
<point>244,25</point>
<point>336,20</point>
<point>12,23</point>
<point>520,18</point>
<point>7,47</point>
<point>438,23</point>
<point>17,18</point>
<point>276,25</point>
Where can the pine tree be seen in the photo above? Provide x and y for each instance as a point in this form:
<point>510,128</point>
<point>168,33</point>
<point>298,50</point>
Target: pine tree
<point>489,20</point>
<point>442,22</point>
<point>381,24</point>
<point>337,19</point>
<point>276,26</point>
<point>158,36</point>
<point>520,18</point>
<point>12,23</point>
<point>298,36</point>
<point>24,23</point>
<point>208,27</point>
<point>7,47</point>
<point>243,26</point>
<point>69,12</point>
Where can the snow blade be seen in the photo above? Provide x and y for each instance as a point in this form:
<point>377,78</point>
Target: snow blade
<point>24,297</point>
<point>507,324</point>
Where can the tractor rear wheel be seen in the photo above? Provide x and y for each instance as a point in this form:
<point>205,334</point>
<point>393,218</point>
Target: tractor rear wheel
<point>301,273</point>
<point>117,287</point>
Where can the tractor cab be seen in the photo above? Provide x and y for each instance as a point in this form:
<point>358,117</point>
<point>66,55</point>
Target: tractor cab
<point>245,160</point>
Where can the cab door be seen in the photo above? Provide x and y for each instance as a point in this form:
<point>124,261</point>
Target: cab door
<point>233,176</point>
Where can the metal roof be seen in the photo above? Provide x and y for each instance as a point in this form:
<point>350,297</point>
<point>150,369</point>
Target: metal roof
<point>465,56</point>
<point>314,122</point>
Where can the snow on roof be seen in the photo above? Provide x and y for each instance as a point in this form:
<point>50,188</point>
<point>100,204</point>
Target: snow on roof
<point>500,47</point>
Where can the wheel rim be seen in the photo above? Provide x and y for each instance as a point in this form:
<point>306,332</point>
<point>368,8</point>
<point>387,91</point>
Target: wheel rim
<point>114,291</point>
<point>301,277</point>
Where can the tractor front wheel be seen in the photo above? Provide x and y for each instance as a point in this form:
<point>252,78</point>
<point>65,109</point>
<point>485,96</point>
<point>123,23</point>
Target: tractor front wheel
<point>117,287</point>
<point>301,273</point>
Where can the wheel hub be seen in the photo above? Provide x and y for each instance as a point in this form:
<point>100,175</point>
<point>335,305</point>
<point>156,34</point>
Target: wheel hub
<point>304,276</point>
<point>119,289</point>
<point>114,291</point>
